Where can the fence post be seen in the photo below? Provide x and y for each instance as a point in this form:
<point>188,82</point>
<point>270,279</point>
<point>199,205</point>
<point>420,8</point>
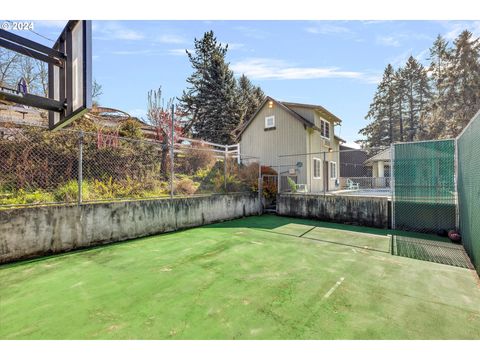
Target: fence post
<point>392,185</point>
<point>80,167</point>
<point>325,176</point>
<point>225,168</point>
<point>172,153</point>
<point>260,188</point>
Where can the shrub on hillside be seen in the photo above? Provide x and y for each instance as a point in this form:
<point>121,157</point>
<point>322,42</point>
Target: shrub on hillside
<point>186,186</point>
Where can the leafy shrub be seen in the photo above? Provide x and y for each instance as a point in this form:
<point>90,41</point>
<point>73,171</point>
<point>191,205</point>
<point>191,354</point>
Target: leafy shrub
<point>269,190</point>
<point>68,192</point>
<point>26,197</point>
<point>130,128</point>
<point>292,184</point>
<point>197,158</point>
<point>249,176</point>
<point>186,186</point>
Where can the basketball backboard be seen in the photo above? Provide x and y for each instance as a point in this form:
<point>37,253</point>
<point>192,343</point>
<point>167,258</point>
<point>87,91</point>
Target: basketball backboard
<point>69,72</point>
<point>72,83</point>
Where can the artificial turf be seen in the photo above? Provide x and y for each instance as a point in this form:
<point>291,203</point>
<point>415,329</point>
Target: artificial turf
<point>264,277</point>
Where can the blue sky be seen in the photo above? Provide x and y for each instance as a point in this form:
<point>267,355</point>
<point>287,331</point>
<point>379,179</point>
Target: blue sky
<point>332,63</point>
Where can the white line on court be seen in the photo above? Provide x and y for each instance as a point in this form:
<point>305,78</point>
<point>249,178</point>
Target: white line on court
<point>334,287</point>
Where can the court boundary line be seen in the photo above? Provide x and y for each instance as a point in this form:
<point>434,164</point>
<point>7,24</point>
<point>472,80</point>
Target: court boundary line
<point>323,241</point>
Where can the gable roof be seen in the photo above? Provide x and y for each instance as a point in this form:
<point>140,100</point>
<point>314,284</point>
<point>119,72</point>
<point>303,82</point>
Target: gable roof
<point>383,155</point>
<point>286,106</point>
<point>319,108</point>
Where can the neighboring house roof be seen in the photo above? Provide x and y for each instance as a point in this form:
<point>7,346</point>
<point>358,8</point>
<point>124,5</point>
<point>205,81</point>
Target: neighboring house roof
<point>22,115</point>
<point>383,155</point>
<point>103,116</point>
<point>339,139</point>
<point>287,107</point>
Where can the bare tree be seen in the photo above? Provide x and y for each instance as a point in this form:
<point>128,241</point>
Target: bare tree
<point>8,66</point>
<point>27,69</point>
<point>42,75</point>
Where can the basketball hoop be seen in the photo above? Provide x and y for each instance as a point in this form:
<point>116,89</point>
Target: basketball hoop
<point>69,73</point>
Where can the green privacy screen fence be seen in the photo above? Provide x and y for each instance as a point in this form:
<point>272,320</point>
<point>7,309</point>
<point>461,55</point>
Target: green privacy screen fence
<point>424,196</point>
<point>468,153</point>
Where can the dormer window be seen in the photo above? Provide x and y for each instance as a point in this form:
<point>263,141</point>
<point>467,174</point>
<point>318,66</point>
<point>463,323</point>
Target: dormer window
<point>269,122</point>
<point>325,129</point>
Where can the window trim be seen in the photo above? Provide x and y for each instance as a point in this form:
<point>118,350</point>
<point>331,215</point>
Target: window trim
<point>323,122</point>
<point>319,169</point>
<point>333,177</point>
<point>266,121</point>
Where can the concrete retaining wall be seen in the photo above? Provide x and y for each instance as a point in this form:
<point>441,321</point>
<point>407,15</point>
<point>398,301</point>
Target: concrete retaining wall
<point>357,210</point>
<point>37,231</point>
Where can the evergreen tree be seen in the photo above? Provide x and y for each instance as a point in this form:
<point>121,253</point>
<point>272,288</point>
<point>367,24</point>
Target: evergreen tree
<point>399,104</point>
<point>429,104</point>
<point>463,84</point>
<point>434,120</point>
<point>417,95</point>
<point>250,97</point>
<point>211,101</point>
<point>382,112</point>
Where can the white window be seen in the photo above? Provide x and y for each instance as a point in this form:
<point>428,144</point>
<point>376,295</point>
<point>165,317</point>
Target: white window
<point>317,163</point>
<point>269,122</point>
<point>325,129</point>
<point>333,170</point>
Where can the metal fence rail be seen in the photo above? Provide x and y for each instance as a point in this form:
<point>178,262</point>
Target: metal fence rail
<point>346,171</point>
<point>38,166</point>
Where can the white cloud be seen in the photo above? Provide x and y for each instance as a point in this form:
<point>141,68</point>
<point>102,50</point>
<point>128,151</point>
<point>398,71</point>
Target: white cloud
<point>252,32</point>
<point>455,28</point>
<point>401,59</point>
<point>171,39</point>
<point>234,46</point>
<point>178,52</point>
<point>263,68</point>
<point>388,40</point>
<point>112,30</point>
<point>397,39</point>
<point>325,28</point>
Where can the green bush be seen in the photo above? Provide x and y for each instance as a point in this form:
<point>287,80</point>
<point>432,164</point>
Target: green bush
<point>68,192</point>
<point>292,184</point>
<point>22,196</point>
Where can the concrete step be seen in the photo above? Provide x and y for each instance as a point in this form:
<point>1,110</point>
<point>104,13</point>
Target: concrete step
<point>270,210</point>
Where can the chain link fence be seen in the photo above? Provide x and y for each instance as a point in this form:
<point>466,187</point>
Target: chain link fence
<point>468,154</point>
<point>38,166</point>
<point>424,194</point>
<point>348,171</point>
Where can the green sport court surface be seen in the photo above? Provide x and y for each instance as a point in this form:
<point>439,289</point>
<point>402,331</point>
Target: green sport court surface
<point>263,277</point>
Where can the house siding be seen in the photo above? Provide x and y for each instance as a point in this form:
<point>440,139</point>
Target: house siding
<point>304,112</point>
<point>288,137</point>
<point>291,137</point>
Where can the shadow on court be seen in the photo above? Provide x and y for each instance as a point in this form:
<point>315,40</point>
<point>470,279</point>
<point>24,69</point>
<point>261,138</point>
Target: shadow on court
<point>419,246</point>
<point>347,235</point>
